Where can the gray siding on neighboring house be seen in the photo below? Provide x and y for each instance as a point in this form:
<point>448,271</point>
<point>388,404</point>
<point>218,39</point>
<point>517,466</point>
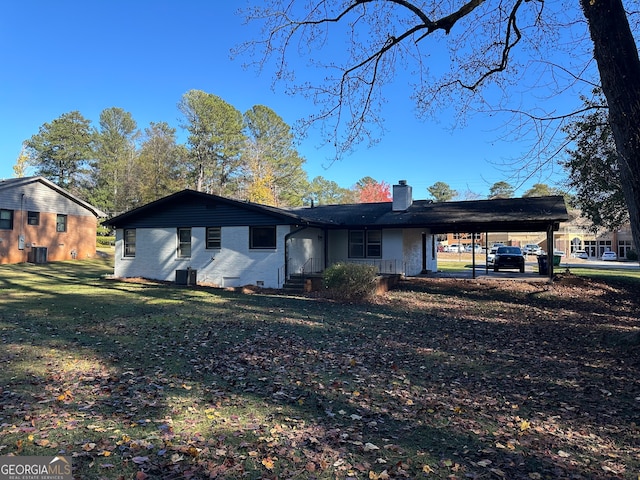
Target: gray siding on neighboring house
<point>37,194</point>
<point>40,198</point>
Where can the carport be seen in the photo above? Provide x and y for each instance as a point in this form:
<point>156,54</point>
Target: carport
<point>531,214</point>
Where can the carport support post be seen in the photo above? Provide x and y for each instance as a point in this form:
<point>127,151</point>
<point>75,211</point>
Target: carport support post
<point>424,253</point>
<point>486,253</point>
<point>550,250</point>
<point>473,255</point>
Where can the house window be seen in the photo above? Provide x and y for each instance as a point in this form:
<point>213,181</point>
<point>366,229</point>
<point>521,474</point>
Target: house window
<point>213,237</point>
<point>184,242</point>
<point>262,237</point>
<point>61,223</point>
<point>356,244</point>
<point>365,244</point>
<point>33,218</point>
<point>6,219</point>
<point>374,243</point>
<point>129,242</point>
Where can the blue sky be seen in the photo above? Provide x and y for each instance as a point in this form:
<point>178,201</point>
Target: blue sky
<point>143,55</point>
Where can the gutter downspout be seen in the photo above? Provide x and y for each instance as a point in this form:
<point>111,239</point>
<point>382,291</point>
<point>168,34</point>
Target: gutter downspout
<point>21,238</point>
<point>326,248</point>
<point>550,249</point>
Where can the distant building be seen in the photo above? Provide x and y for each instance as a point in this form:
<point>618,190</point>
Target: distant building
<point>572,235</point>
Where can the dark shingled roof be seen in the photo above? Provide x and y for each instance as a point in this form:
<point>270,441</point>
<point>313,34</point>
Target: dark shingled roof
<point>500,215</point>
<point>185,196</point>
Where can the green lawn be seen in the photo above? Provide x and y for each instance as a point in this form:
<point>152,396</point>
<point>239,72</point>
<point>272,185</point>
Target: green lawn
<point>607,274</point>
<point>465,265</point>
<point>442,378</point>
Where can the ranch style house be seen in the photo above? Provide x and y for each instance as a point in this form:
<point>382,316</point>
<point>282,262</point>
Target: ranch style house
<point>193,237</point>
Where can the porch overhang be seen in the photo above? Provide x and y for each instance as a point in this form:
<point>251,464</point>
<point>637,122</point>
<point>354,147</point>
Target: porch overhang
<point>534,214</point>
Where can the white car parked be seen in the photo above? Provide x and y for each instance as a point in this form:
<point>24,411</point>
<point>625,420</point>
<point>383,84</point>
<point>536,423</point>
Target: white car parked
<point>454,248</point>
<point>532,249</point>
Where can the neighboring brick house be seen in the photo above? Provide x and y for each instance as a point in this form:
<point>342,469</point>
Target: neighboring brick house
<point>39,222</point>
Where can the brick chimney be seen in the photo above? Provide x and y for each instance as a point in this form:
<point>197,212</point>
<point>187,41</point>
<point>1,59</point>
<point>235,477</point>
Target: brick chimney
<point>402,198</point>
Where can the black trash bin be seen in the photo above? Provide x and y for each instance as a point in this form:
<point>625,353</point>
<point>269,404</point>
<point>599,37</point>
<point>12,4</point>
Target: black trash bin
<point>543,265</point>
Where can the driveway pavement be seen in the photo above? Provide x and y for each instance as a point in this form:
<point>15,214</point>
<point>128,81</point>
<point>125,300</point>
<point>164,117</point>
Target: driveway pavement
<point>531,269</point>
<point>578,263</point>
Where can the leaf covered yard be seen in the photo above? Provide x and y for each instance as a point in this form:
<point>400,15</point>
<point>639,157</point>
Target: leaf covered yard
<point>442,379</point>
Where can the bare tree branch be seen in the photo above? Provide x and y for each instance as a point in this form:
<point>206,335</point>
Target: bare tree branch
<point>564,116</point>
<point>509,43</point>
<point>381,33</point>
<point>354,99</point>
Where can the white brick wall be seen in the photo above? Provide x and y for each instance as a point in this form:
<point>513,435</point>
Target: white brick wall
<point>234,264</point>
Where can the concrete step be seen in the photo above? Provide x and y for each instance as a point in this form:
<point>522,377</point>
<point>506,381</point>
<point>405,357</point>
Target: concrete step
<point>296,283</point>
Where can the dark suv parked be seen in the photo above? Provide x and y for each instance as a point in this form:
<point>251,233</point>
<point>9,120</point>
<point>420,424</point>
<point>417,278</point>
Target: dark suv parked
<point>508,257</point>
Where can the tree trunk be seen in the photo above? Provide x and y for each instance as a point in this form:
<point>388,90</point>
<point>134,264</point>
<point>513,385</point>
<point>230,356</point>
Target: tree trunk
<point>616,54</point>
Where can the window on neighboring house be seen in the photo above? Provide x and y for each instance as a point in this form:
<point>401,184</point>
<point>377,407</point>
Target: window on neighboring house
<point>61,223</point>
<point>6,219</point>
<point>184,242</point>
<point>33,218</point>
<point>365,244</point>
<point>214,237</point>
<point>129,242</point>
<point>262,237</point>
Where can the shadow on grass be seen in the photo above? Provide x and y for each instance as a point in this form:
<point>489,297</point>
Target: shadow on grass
<point>446,378</point>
